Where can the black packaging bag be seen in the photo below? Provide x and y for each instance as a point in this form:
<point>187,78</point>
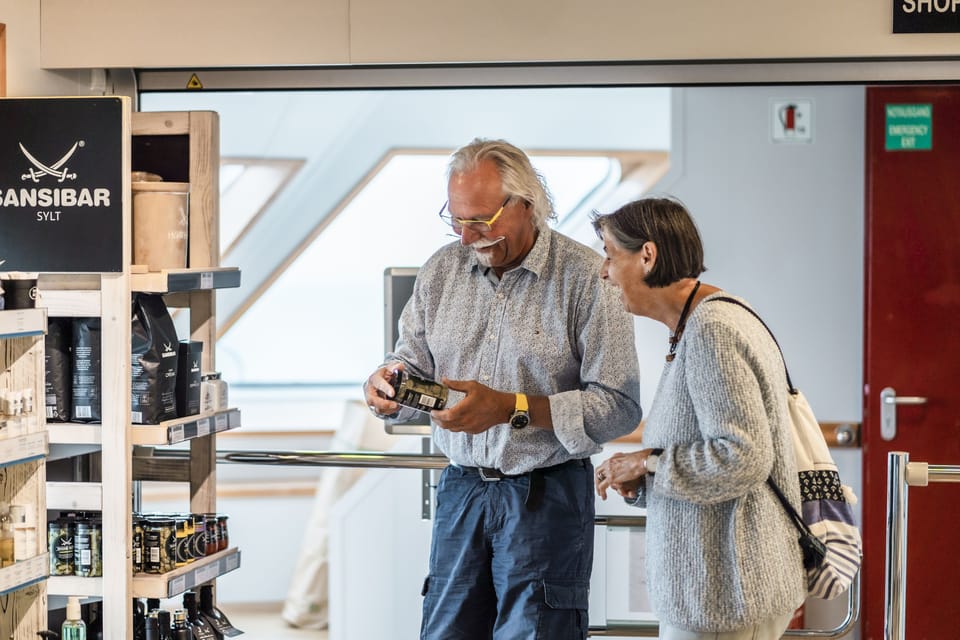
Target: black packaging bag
<point>153,361</point>
<point>58,363</point>
<point>86,401</point>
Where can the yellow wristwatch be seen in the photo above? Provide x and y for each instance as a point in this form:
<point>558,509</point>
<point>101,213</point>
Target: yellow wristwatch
<point>521,416</point>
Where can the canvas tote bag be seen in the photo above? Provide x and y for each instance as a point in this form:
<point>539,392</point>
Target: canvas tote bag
<point>829,537</point>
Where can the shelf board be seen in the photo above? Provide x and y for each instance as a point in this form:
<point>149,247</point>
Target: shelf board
<point>181,429</point>
<point>71,303</point>
<point>172,583</point>
<point>22,448</point>
<point>17,323</point>
<point>75,496</point>
<point>74,432</point>
<point>172,280</point>
<point>74,586</point>
<point>24,573</point>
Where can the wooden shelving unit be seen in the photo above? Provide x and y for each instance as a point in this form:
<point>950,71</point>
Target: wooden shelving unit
<point>23,449</point>
<point>181,147</point>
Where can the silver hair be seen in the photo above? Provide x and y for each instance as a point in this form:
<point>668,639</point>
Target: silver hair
<point>517,175</point>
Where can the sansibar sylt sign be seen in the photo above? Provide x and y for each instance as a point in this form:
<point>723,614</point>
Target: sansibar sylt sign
<point>61,184</point>
<point>926,16</point>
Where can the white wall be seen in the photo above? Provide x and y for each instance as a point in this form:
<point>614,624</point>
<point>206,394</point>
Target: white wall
<point>782,226</point>
<point>25,77</point>
<point>182,33</point>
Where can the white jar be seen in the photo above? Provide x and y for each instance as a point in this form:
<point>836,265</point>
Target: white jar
<point>213,392</point>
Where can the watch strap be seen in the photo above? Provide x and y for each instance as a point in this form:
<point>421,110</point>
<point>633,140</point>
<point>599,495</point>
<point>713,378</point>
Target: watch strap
<point>521,403</point>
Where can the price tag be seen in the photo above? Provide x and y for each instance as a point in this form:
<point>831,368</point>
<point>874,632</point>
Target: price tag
<point>203,427</point>
<point>176,434</point>
<point>222,421</point>
<point>177,585</point>
<point>206,280</point>
<point>233,562</point>
<point>207,573</point>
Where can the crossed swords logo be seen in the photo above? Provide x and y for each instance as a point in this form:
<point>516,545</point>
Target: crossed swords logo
<point>39,169</point>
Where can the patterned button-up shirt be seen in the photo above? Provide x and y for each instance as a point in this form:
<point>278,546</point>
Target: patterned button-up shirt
<point>548,327</point>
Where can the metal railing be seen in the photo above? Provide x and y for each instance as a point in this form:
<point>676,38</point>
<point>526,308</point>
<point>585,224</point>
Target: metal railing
<point>901,475</point>
<point>643,629</point>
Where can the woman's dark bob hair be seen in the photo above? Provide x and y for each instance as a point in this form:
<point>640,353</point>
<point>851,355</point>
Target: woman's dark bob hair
<point>667,224</point>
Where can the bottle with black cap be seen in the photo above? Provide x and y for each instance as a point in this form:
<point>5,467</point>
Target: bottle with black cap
<point>214,616</point>
<point>163,624</point>
<point>181,628</point>
<point>152,626</point>
<point>139,622</point>
<point>201,628</point>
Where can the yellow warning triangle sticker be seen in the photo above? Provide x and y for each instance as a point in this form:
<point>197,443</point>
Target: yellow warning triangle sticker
<point>194,82</point>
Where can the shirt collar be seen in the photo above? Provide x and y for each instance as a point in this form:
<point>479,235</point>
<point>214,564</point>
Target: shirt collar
<point>535,261</point>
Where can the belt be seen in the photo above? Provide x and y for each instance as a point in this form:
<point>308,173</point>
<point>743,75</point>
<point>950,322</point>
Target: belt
<point>535,488</point>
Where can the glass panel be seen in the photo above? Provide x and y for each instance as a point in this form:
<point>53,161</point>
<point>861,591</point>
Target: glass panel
<point>306,326</point>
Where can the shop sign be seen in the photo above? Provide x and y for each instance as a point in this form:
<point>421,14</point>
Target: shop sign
<point>61,184</point>
<point>926,16</point>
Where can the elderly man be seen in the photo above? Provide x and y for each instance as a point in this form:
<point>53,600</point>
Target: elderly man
<point>515,318</point>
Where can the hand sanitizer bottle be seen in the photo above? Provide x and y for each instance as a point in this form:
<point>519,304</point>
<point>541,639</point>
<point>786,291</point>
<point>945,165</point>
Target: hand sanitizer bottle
<point>73,628</point>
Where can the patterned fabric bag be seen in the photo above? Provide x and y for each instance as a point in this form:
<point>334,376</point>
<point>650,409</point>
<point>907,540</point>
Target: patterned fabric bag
<point>831,542</point>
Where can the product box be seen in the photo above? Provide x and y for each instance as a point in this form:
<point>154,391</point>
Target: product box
<point>188,378</point>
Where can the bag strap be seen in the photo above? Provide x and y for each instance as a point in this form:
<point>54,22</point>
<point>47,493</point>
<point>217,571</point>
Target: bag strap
<point>794,516</point>
<point>790,387</point>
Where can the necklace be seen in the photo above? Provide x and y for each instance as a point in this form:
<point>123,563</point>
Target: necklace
<point>678,332</point>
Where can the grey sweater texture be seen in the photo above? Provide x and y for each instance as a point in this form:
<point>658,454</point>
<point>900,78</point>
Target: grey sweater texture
<point>721,553</point>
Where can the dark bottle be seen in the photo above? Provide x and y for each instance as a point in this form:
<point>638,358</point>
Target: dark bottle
<point>152,627</point>
<point>95,626</point>
<point>163,624</point>
<point>139,622</point>
<point>218,621</point>
<point>201,628</point>
<point>181,628</point>
<point>153,604</point>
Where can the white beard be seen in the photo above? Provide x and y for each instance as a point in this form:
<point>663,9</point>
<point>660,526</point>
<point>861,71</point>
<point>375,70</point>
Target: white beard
<point>485,258</point>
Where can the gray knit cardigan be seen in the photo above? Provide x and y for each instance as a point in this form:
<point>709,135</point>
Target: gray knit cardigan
<point>721,554</point>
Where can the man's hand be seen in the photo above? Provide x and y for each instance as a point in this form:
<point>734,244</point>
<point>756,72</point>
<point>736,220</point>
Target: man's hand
<point>378,390</point>
<point>481,409</point>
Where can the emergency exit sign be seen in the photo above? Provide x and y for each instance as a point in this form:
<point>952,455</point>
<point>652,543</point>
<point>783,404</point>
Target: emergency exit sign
<point>909,127</point>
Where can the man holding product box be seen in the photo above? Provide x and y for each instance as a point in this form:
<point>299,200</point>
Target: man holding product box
<point>515,321</point>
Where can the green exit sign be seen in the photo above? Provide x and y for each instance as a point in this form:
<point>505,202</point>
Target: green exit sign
<point>909,127</point>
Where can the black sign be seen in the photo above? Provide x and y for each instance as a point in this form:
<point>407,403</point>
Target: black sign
<point>61,184</point>
<point>926,16</point>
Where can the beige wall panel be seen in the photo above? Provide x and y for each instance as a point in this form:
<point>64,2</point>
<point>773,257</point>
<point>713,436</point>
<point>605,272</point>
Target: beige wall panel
<point>570,30</point>
<point>24,77</point>
<point>186,33</point>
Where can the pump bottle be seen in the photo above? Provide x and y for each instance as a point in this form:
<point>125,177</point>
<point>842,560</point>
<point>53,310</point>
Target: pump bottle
<point>73,628</point>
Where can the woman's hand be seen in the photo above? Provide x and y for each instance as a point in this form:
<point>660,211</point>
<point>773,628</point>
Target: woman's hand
<point>622,472</point>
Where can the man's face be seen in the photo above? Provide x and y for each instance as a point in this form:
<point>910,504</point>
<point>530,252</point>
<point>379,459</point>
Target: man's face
<point>478,195</point>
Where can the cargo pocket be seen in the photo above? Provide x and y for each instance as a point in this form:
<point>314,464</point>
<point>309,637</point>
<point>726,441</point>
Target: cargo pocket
<point>564,612</point>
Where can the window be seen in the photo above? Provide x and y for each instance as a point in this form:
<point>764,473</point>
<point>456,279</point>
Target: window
<point>313,238</point>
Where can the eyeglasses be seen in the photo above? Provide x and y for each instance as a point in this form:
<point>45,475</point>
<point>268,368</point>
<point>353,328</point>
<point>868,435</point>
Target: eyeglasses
<point>478,226</point>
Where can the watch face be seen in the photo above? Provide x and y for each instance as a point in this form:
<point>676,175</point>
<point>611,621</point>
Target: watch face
<point>519,420</point>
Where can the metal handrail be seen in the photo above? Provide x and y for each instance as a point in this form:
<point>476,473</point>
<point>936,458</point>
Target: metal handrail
<point>371,459</point>
<point>901,475</point>
<point>336,459</point>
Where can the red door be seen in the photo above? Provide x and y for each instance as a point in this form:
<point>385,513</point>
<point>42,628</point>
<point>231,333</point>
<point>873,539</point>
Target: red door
<point>912,347</point>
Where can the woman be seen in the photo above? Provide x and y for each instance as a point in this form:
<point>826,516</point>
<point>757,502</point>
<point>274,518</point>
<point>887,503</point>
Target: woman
<point>722,557</point>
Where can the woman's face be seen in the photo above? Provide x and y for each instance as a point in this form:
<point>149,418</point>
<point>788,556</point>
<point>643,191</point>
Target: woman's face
<point>626,270</point>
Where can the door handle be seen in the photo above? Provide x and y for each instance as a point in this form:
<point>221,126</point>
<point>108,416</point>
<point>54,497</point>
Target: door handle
<point>888,410</point>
